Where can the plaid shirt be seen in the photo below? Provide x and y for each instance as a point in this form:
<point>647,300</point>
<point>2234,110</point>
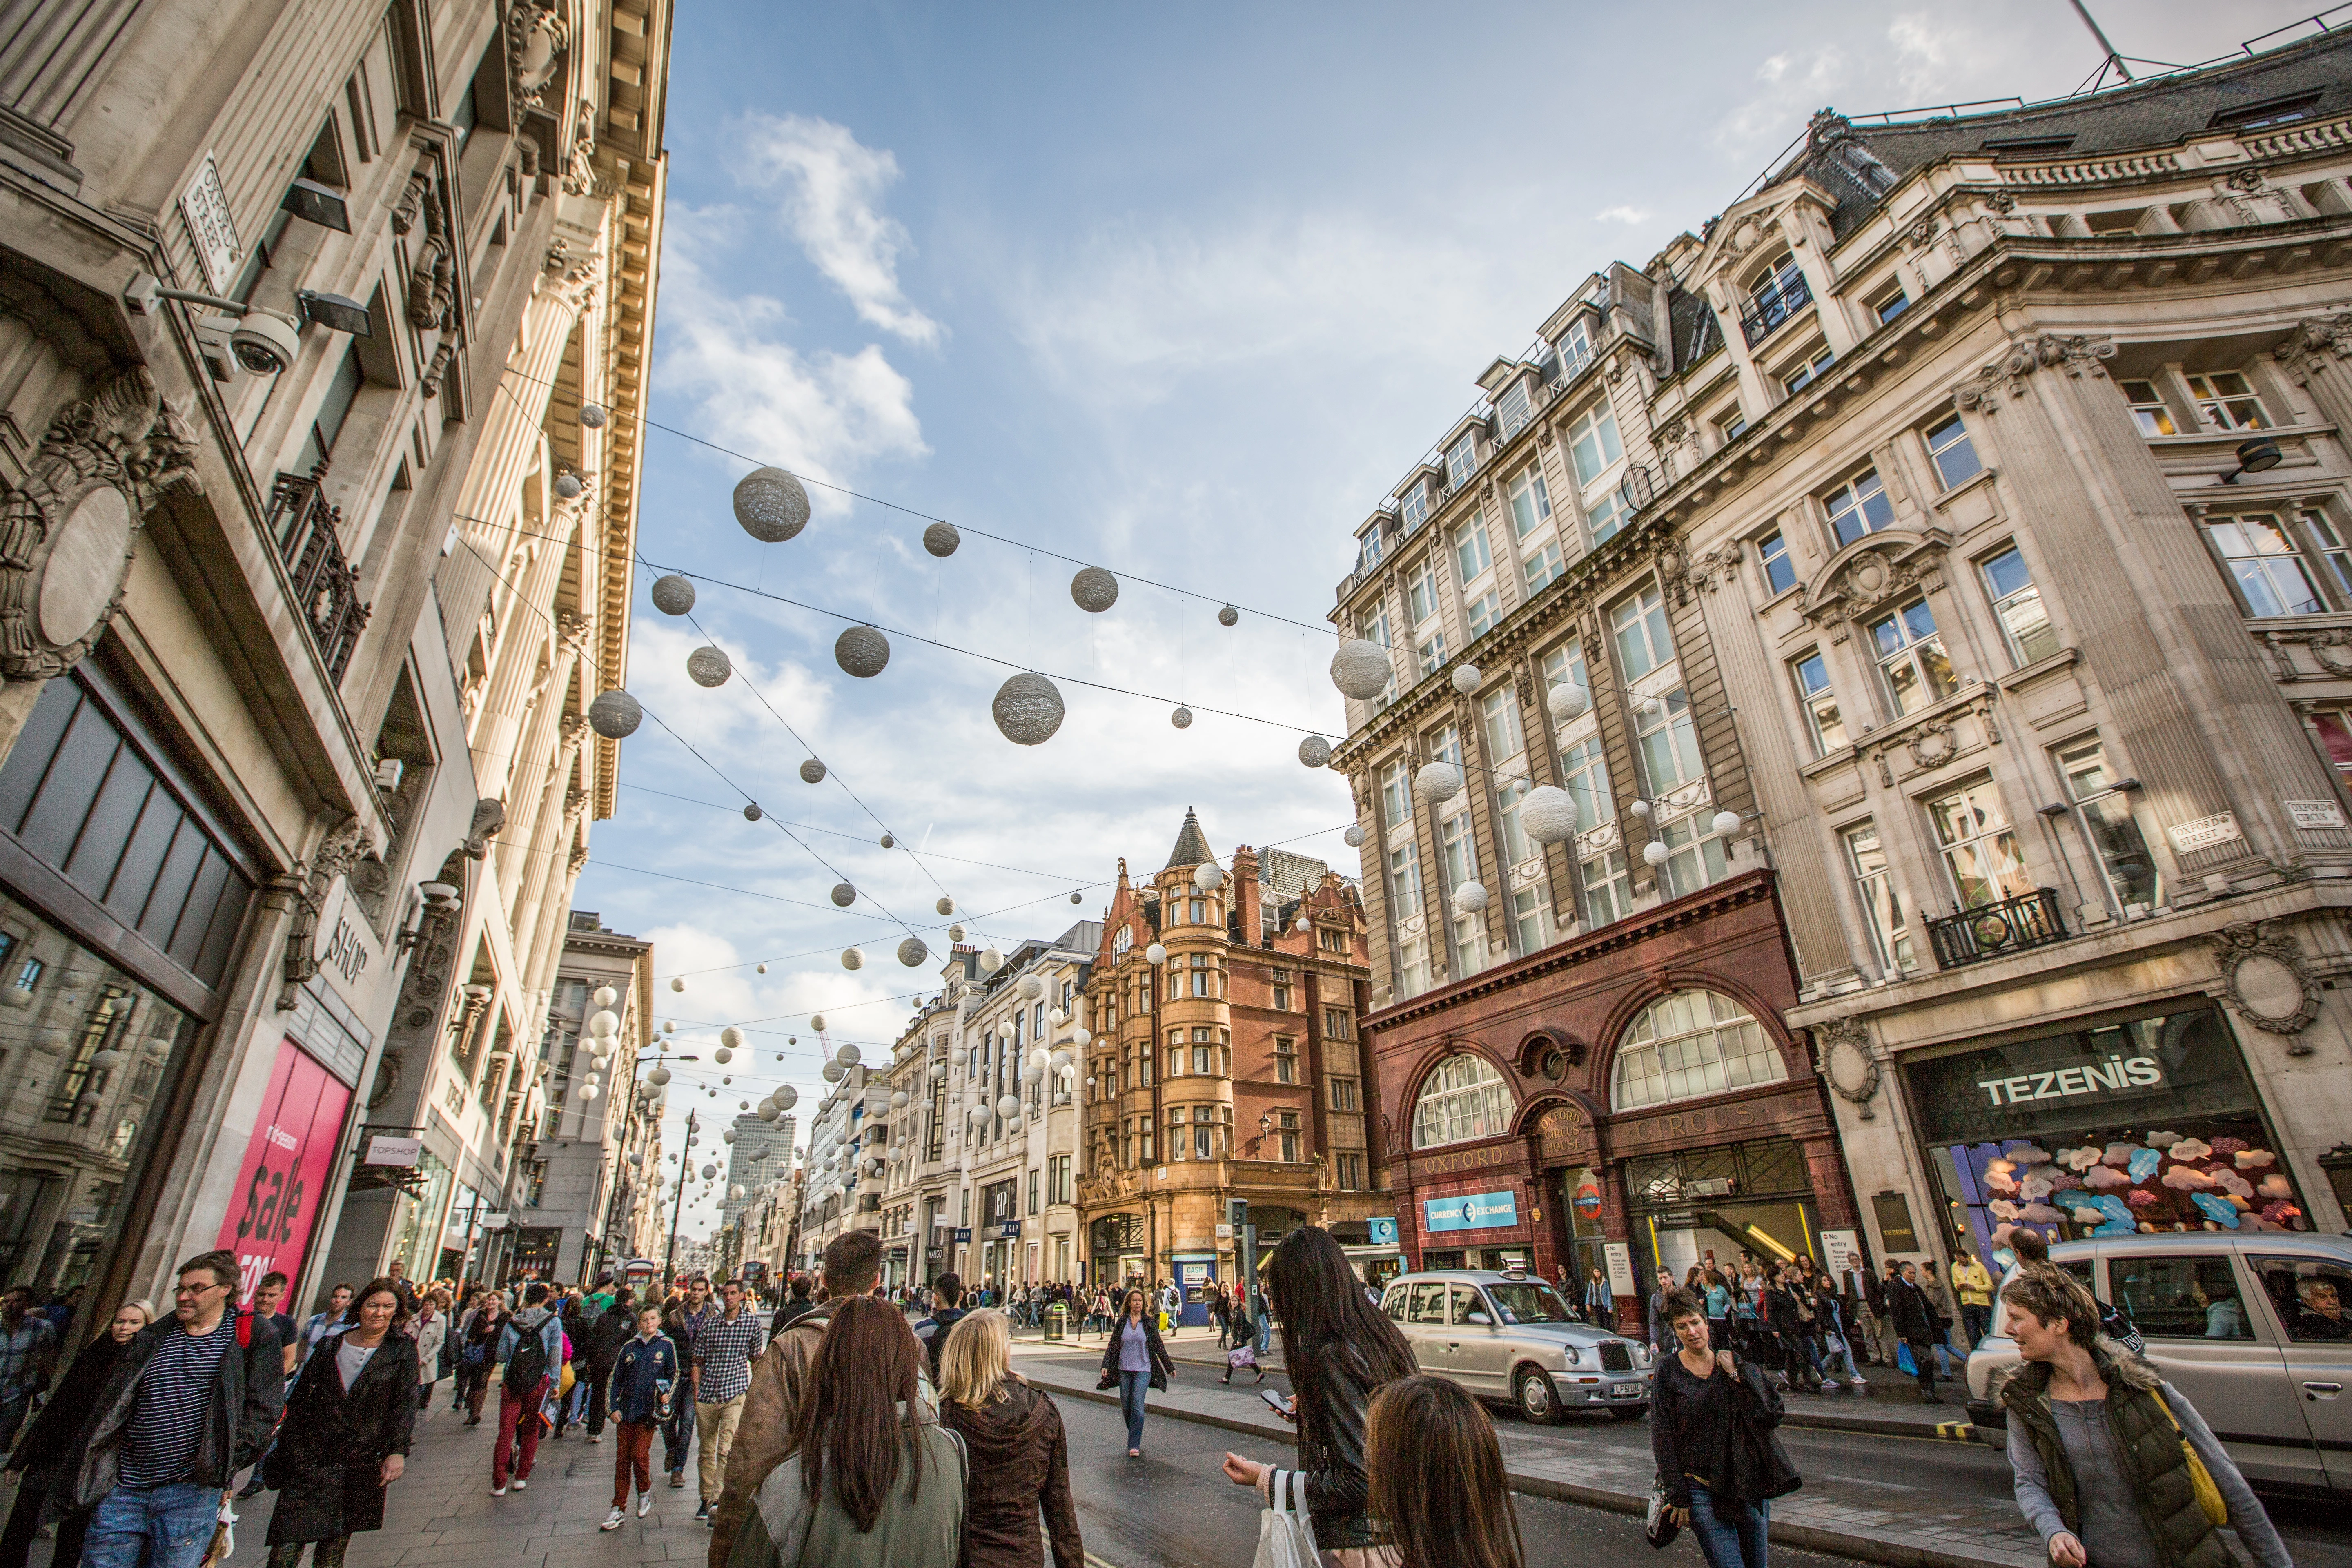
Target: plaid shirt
<point>723,1351</point>
<point>25,1357</point>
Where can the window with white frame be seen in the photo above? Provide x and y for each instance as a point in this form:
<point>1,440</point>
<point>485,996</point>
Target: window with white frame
<point>1420,597</point>
<point>1517,846</point>
<point>2262,559</point>
<point>1780,570</point>
<point>1910,653</point>
<point>1396,796</point>
<point>1373,626</point>
<point>1543,566</point>
<point>1584,774</point>
<point>1456,854</point>
<point>1697,855</point>
<point>2226,401</point>
<point>1638,621</point>
<point>2017,604</point>
<point>1858,507</point>
<point>1531,927</point>
<point>1606,879</point>
<point>1429,653</point>
<point>2149,409</point>
<point>1461,462</point>
<point>1812,675</point>
<point>2111,827</point>
<point>1412,962</point>
<point>1564,666</point>
<point>1482,613</point>
<point>1499,719</point>
<point>1882,906</point>
<point>1404,880</point>
<point>1530,503</point>
<point>1575,348</point>
<point>1889,303</point>
<point>1977,845</point>
<point>1665,743</point>
<point>1445,745</point>
<point>1730,425</point>
<point>1690,1045</point>
<point>1592,443</point>
<point>1285,1127</point>
<point>1803,371</point>
<point>1515,407</point>
<point>1605,513</point>
<point>1464,1098</point>
<point>1369,548</point>
<point>2332,552</point>
<point>1471,557</point>
<point>1413,505</point>
<point>1949,448</point>
<point>1285,1060</point>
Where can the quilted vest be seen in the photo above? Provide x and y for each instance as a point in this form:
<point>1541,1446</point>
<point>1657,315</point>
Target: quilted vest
<point>2152,1455</point>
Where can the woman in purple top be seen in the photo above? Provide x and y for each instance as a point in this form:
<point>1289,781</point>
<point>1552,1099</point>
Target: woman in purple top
<point>1136,1359</point>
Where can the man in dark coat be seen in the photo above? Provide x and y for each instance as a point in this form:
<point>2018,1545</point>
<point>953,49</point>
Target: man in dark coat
<point>606,1333</point>
<point>1916,1324</point>
<point>189,1405</point>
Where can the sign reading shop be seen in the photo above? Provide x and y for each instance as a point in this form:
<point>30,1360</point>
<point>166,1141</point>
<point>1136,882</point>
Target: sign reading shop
<point>2144,1071</point>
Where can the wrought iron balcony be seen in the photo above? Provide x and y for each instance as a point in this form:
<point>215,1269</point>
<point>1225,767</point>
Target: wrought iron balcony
<point>326,586</point>
<point>1763,315</point>
<point>1996,931</point>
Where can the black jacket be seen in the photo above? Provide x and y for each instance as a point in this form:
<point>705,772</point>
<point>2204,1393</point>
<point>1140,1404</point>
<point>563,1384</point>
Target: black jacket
<point>248,1391</point>
<point>334,1440</point>
<point>932,1332</point>
<point>1020,1470</point>
<point>1162,1364</point>
<point>1332,1400</point>
<point>46,1449</point>
<point>1915,1316</point>
<point>614,1327</point>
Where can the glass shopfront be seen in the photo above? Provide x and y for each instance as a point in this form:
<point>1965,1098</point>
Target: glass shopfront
<point>2133,1124</point>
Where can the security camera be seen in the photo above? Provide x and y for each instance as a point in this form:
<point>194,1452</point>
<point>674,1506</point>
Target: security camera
<point>265,345</point>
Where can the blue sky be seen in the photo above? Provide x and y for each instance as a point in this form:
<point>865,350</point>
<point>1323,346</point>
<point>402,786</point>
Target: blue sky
<point>1179,292</point>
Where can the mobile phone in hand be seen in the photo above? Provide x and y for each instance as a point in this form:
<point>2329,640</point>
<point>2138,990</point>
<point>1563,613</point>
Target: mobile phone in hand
<point>1284,1405</point>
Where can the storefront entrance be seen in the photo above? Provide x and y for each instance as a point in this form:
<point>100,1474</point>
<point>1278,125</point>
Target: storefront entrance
<point>2130,1124</point>
<point>1116,1244</point>
<point>1707,1207</point>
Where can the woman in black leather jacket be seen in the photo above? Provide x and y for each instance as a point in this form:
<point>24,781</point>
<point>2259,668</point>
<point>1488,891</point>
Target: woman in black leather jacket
<point>1340,1349</point>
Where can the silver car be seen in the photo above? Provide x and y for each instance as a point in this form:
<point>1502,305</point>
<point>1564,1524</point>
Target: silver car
<point>1510,1336</point>
<point>2254,1327</point>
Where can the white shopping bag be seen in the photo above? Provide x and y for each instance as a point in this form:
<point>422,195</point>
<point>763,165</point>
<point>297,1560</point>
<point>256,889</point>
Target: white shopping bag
<point>1286,1536</point>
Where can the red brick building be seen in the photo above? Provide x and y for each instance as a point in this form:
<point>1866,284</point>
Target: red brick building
<point>1643,1069</point>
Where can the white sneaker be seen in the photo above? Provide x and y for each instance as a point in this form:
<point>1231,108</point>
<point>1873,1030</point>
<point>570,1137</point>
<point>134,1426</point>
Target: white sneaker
<point>498,1491</point>
<point>596,1436</point>
<point>520,1485</point>
<point>1831,1383</point>
<point>645,1504</point>
<point>1860,1382</point>
<point>615,1519</point>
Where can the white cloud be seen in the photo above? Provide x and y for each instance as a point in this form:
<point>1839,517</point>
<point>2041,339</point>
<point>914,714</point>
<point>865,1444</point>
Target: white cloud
<point>823,414</point>
<point>1623,214</point>
<point>1794,86</point>
<point>832,187</point>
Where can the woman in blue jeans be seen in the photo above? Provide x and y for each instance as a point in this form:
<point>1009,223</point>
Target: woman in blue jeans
<point>1135,1357</point>
<point>1698,1399</point>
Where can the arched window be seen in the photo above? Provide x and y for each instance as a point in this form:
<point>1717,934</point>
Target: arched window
<point>1464,1098</point>
<point>1691,1044</point>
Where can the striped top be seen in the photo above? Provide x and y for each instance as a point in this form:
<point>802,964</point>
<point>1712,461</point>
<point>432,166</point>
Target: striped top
<point>175,1396</point>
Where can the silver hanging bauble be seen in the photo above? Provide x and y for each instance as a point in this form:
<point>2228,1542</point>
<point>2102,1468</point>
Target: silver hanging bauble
<point>567,486</point>
<point>1181,718</point>
<point>615,715</point>
<point>1093,590</point>
<point>888,842</point>
<point>1567,700</point>
<point>816,1022</point>
<point>1548,815</point>
<point>946,906</point>
<point>678,982</point>
<point>1361,669</point>
<point>786,1098</point>
<point>955,933</point>
<point>1077,898</point>
<point>1437,783</point>
<point>752,811</point>
<point>847,1055</point>
<point>861,651</point>
<point>831,1072</point>
<point>1008,1106</point>
<point>1353,837</point>
<point>990,961</point>
<point>939,1071</point>
<point>658,1077</point>
<point>604,1023</point>
<point>673,595</point>
<point>1081,1035</point>
<point>1470,898</point>
<point>1156,953</point>
<point>1465,678</point>
<point>1027,709</point>
<point>844,895</point>
<point>1208,875</point>
<point>852,959</point>
<point>1228,616</point>
<point>708,666</point>
<point>591,417</point>
<point>771,505</point>
<point>722,1056</point>
<point>942,538</point>
<point>912,951</point>
<point>812,771</point>
<point>760,968</point>
<point>1032,987</point>
<point>1724,823</point>
<point>1315,752</point>
<point>898,1099</point>
<point>603,996</point>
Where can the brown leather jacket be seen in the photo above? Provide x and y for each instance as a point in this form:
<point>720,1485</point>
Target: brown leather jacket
<point>763,1436</point>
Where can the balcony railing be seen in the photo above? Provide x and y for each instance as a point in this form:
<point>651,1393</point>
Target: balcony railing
<point>1996,931</point>
<point>1763,316</point>
<point>326,587</point>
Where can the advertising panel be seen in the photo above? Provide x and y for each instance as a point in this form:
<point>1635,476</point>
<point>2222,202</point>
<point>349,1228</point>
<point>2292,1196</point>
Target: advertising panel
<point>283,1180</point>
<point>1472,1211</point>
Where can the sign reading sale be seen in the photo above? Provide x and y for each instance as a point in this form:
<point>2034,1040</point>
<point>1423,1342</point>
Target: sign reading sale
<point>286,1167</point>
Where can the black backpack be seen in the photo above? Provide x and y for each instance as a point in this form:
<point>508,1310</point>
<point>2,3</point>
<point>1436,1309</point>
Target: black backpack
<point>934,1335</point>
<point>527,1364</point>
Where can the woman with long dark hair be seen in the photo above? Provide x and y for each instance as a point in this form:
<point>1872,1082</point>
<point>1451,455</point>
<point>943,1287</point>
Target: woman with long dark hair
<point>1436,1479</point>
<point>346,1432</point>
<point>479,1354</point>
<point>1136,1359</point>
<point>874,1482</point>
<point>47,1453</point>
<point>1339,1350</point>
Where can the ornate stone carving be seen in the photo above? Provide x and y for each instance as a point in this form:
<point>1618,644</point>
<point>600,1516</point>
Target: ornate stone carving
<point>1933,744</point>
<point>1888,564</point>
<point>2306,348</point>
<point>2079,354</point>
<point>580,165</point>
<point>433,278</point>
<point>343,844</point>
<point>69,530</point>
<point>1842,1055</point>
<point>1920,235</point>
<point>2249,179</point>
<point>489,816</point>
<point>412,201</point>
<point>2002,202</point>
<point>537,34</point>
<point>1713,568</point>
<point>438,369</point>
<point>2265,979</point>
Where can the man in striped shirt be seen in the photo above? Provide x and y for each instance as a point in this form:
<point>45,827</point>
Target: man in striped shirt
<point>190,1402</point>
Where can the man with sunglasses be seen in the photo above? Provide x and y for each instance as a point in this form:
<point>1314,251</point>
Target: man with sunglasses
<point>191,1402</point>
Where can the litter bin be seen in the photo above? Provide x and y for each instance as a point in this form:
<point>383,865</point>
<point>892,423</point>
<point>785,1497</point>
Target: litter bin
<point>1057,1321</point>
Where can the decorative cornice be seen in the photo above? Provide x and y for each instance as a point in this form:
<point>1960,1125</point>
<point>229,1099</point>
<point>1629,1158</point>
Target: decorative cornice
<point>2079,354</point>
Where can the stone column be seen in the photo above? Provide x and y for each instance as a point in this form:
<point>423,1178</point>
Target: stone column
<point>545,753</point>
<point>2318,358</point>
<point>526,636</point>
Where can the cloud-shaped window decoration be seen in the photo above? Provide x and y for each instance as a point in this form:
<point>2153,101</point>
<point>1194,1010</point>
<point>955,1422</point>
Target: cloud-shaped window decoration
<point>2161,1140</point>
<point>2221,1211</point>
<point>2106,1177</point>
<point>2255,1159</point>
<point>2187,1179</point>
<point>2120,1153</point>
<point>2192,1149</point>
<point>2144,1162</point>
<point>2030,1155</point>
<point>2082,1159</point>
<point>2276,1185</point>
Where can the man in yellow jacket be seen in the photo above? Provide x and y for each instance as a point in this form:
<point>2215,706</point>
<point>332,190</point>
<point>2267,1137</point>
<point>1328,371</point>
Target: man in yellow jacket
<point>1972,1287</point>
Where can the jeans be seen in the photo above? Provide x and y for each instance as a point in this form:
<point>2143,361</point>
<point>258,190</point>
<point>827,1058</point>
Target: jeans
<point>678,1433</point>
<point>1839,1353</point>
<point>1798,1348</point>
<point>1975,1322</point>
<point>152,1527</point>
<point>1730,1534</point>
<point>1133,1387</point>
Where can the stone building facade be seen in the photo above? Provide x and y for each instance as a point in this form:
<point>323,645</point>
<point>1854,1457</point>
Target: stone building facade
<point>314,556</point>
<point>1222,1062</point>
<point>1982,475</point>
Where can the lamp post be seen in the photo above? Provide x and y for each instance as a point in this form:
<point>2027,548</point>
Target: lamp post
<point>685,1153</point>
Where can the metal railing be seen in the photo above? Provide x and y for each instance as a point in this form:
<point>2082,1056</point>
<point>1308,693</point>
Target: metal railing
<point>326,586</point>
<point>1764,314</point>
<point>1995,931</point>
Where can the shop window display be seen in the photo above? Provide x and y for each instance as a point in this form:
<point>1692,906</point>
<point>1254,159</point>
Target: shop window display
<point>2139,1126</point>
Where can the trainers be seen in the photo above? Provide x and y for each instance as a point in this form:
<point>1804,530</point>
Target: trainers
<point>498,1491</point>
<point>645,1504</point>
<point>702,1514</point>
<point>595,1437</point>
<point>1861,1382</point>
<point>615,1519</point>
<point>520,1484</point>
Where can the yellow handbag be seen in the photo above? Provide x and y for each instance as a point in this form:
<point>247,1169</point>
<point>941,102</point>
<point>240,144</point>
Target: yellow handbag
<point>2200,1480</point>
<point>570,1377</point>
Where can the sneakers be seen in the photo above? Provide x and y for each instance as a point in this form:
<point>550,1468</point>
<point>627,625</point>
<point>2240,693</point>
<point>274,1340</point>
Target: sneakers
<point>702,1514</point>
<point>1831,1383</point>
<point>498,1491</point>
<point>595,1437</point>
<point>615,1519</point>
<point>1860,1382</point>
<point>520,1484</point>
<point>678,1478</point>
<point>645,1504</point>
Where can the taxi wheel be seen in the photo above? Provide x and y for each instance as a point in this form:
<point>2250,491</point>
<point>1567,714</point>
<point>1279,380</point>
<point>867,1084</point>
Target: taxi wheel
<point>1538,1400</point>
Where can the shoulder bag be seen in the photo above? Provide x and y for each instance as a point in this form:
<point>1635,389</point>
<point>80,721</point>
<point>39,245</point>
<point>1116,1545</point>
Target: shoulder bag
<point>1658,1526</point>
<point>2208,1496</point>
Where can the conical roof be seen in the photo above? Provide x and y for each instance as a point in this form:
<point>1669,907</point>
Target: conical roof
<point>1192,844</point>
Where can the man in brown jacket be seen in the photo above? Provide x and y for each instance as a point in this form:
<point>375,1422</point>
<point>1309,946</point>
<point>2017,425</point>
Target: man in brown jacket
<point>764,1436</point>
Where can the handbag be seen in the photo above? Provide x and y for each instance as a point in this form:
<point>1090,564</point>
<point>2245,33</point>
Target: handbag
<point>1658,1526</point>
<point>2200,1480</point>
<point>224,1539</point>
<point>1286,1535</point>
<point>1903,1361</point>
